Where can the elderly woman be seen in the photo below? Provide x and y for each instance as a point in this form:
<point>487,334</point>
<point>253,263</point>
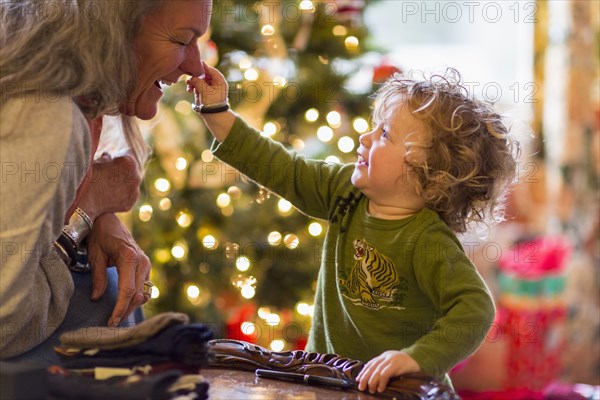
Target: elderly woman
<point>63,65</point>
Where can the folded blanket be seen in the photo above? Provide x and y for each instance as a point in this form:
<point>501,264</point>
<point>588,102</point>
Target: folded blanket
<point>185,344</point>
<point>100,337</point>
<point>165,338</point>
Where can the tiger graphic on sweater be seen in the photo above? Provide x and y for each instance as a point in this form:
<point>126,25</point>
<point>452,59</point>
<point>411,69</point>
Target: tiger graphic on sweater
<point>373,274</point>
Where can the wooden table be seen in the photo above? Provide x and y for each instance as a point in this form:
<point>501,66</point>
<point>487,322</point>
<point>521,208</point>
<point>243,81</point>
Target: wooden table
<point>228,384</point>
<point>231,375</point>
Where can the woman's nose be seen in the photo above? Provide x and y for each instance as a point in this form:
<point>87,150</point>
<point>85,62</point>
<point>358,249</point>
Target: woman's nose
<point>192,65</point>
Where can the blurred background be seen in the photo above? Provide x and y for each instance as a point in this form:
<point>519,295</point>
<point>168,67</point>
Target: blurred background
<point>230,254</point>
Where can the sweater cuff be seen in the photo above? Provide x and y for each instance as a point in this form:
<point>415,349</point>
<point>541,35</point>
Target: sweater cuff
<point>426,362</point>
<point>234,141</point>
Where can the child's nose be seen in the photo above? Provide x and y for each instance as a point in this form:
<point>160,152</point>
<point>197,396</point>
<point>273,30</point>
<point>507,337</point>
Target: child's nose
<point>365,139</point>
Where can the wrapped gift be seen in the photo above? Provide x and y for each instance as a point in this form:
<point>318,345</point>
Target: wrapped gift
<point>532,281</point>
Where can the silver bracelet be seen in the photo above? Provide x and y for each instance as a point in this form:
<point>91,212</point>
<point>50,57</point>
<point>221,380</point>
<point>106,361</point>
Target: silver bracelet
<point>79,226</point>
<point>85,217</point>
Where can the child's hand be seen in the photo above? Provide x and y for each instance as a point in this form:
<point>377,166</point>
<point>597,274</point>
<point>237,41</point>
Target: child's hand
<point>210,89</point>
<point>378,371</point>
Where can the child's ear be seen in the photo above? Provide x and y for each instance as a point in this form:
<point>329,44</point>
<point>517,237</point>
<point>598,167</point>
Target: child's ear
<point>415,156</point>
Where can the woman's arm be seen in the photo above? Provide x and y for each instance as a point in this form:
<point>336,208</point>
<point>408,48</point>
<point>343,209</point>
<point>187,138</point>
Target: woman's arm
<point>44,154</point>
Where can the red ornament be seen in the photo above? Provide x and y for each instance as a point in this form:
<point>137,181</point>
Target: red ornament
<point>235,330</point>
<point>384,71</point>
<point>348,11</point>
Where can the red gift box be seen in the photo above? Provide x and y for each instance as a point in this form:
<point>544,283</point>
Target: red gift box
<point>533,311</point>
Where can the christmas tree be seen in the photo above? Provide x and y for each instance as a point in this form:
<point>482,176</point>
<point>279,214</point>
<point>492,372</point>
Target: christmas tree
<point>224,250</point>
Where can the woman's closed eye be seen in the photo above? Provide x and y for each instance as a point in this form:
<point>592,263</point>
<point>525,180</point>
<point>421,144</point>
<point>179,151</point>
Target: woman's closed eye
<point>183,41</point>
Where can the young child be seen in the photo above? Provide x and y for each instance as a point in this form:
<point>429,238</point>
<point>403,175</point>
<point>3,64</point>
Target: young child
<point>395,287</point>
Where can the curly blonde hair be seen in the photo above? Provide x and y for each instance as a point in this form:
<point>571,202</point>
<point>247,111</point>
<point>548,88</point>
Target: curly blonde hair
<point>469,157</point>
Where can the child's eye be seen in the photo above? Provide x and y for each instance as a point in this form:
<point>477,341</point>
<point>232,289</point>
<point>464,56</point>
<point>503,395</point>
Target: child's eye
<point>384,133</point>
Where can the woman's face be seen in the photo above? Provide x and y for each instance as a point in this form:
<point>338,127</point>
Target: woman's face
<point>167,48</point>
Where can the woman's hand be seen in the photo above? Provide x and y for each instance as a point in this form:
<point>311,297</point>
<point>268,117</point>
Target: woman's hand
<point>110,243</point>
<point>378,371</point>
<point>110,185</point>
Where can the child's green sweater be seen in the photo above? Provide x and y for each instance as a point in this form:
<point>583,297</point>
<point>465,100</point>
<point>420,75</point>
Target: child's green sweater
<point>383,284</point>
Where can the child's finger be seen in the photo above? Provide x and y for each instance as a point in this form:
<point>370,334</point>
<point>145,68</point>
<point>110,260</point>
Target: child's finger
<point>375,377</point>
<point>208,73</point>
<point>363,381</point>
<point>383,381</point>
<point>195,82</point>
<point>365,368</point>
<point>212,76</point>
<point>384,378</point>
<point>365,376</point>
<point>373,382</point>
<point>197,86</point>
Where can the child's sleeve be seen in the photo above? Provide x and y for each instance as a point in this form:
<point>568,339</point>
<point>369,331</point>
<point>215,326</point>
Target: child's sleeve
<point>310,185</point>
<point>461,299</point>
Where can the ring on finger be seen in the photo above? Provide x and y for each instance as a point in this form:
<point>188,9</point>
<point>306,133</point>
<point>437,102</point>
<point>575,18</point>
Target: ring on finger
<point>148,285</point>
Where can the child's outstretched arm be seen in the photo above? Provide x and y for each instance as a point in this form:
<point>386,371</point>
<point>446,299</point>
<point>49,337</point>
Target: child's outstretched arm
<point>378,371</point>
<point>209,91</point>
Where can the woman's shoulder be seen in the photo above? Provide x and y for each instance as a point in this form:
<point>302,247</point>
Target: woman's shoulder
<point>34,112</point>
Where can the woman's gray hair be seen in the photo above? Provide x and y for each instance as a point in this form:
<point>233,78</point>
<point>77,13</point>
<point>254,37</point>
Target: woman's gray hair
<point>79,48</point>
